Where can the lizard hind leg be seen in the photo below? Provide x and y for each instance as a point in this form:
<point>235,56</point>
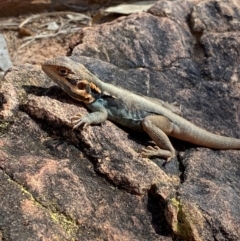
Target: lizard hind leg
<point>158,128</point>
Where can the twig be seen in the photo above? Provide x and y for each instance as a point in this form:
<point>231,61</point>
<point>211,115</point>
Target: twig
<point>51,14</point>
<point>61,30</point>
<point>32,38</point>
<point>25,44</point>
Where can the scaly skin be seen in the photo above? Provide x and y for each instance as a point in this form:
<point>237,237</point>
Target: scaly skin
<point>106,101</point>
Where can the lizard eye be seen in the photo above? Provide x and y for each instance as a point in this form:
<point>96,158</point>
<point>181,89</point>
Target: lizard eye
<point>63,71</point>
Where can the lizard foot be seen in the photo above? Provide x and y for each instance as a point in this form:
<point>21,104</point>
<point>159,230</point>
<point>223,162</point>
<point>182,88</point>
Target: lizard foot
<point>79,120</point>
<point>75,118</point>
<point>150,151</point>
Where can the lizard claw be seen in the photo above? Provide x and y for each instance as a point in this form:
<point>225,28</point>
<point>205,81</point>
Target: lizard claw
<point>79,120</point>
<point>150,151</point>
<point>76,118</point>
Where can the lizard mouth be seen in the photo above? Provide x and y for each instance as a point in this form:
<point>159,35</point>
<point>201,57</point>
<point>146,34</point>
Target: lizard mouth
<point>84,91</point>
<point>78,94</point>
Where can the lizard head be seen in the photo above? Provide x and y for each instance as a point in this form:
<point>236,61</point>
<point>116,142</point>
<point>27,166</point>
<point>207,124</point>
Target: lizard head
<point>73,78</point>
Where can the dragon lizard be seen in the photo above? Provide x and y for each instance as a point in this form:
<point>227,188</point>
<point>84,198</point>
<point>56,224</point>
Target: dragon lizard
<point>106,101</point>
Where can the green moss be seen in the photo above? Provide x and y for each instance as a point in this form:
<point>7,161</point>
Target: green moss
<point>4,125</point>
<point>181,226</point>
<point>68,225</point>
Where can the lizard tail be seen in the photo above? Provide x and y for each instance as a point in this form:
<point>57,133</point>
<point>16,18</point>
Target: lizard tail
<point>204,138</point>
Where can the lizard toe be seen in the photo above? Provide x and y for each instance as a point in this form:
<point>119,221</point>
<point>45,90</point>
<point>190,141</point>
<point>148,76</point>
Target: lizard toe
<point>76,118</point>
<point>151,151</point>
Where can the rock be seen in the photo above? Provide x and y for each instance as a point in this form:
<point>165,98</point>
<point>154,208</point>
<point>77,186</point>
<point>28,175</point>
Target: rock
<point>53,183</point>
<point>92,184</point>
<point>216,16</point>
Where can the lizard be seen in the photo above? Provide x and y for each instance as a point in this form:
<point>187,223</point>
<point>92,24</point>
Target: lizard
<point>106,101</point>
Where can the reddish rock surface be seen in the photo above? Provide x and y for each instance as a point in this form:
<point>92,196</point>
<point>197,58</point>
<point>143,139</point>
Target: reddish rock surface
<point>91,184</point>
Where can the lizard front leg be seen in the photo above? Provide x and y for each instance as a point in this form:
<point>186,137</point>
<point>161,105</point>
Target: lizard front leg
<point>158,128</point>
<point>98,116</point>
